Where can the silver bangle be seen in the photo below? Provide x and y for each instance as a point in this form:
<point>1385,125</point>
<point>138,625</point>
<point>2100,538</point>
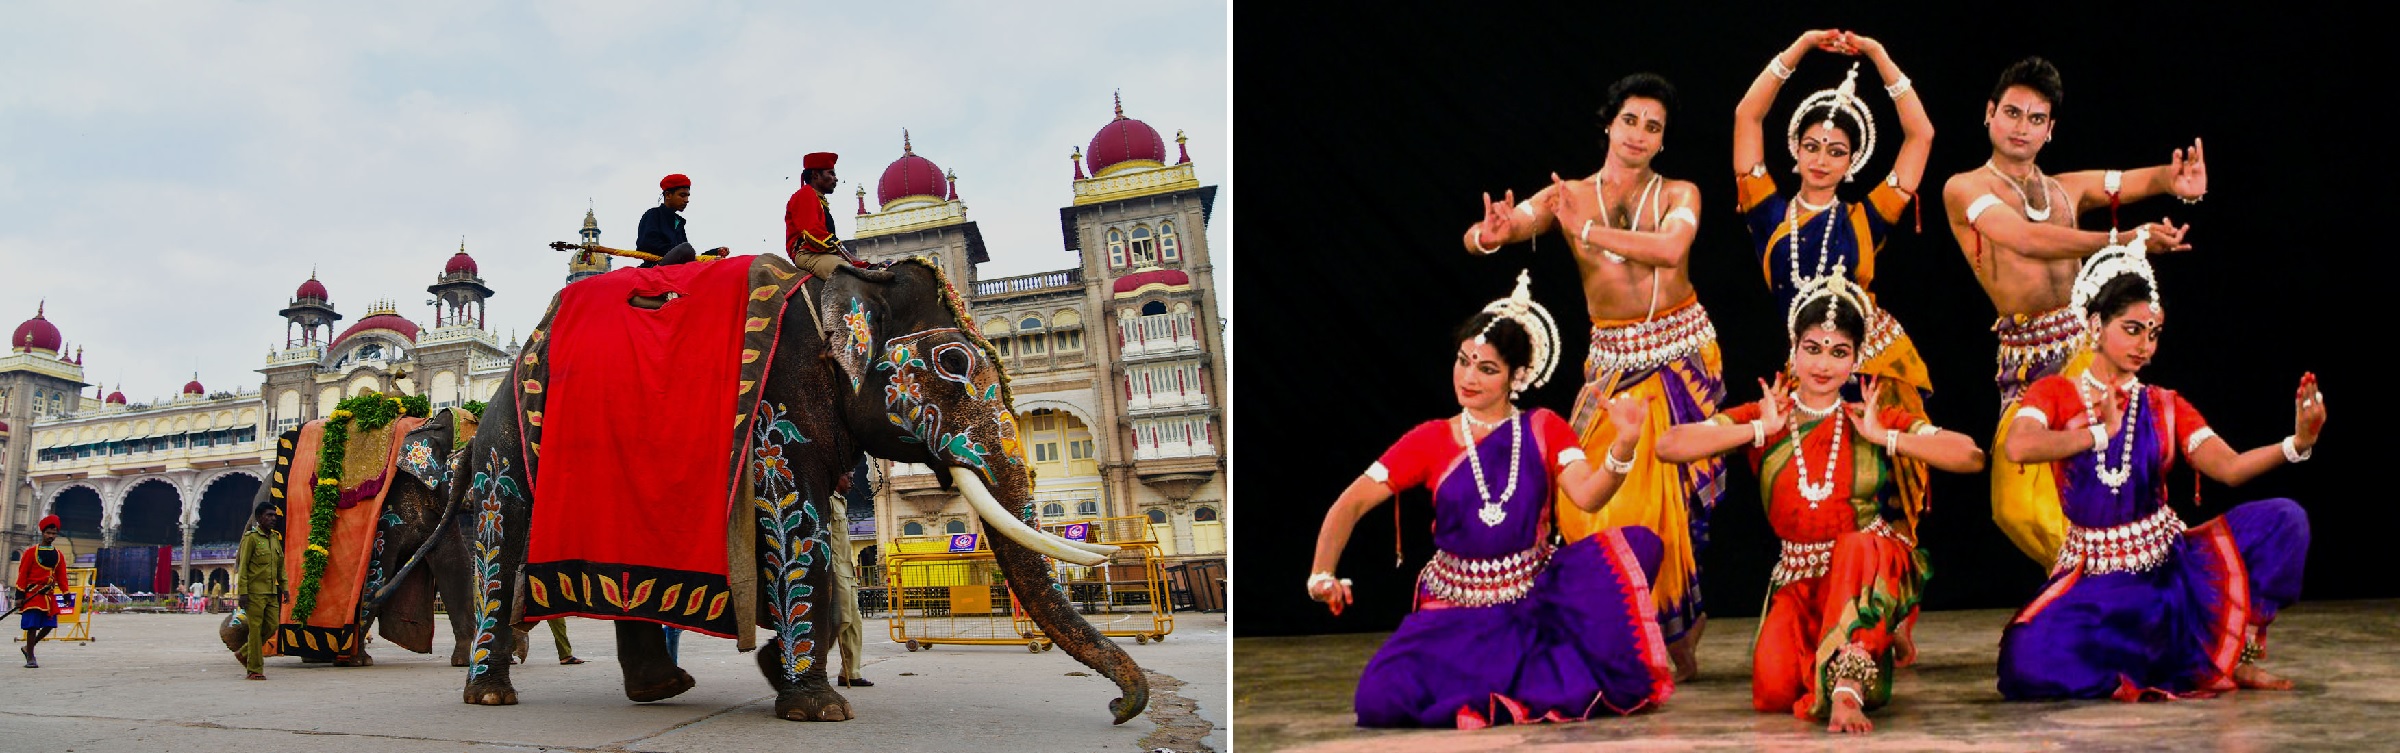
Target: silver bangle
<point>1854,695</point>
<point>1476,237</point>
<point>2192,200</point>
<point>1608,459</point>
<point>2099,437</point>
<point>2291,450</point>
<point>2112,236</point>
<point>1758,434</point>
<point>1776,68</point>
<point>1891,442</point>
<point>1319,577</point>
<point>1586,235</point>
<point>1899,89</point>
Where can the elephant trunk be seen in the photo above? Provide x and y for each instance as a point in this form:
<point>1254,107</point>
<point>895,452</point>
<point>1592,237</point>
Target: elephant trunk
<point>450,502</point>
<point>1037,591</point>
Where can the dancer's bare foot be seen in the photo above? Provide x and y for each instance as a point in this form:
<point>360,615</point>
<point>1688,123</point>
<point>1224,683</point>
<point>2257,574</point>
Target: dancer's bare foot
<point>1904,647</point>
<point>2251,677</point>
<point>1848,716</point>
<point>1686,652</point>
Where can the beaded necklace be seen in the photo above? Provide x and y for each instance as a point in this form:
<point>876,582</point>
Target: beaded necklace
<point>1824,242</point>
<point>1822,490</point>
<point>1492,513</point>
<point>2114,478</point>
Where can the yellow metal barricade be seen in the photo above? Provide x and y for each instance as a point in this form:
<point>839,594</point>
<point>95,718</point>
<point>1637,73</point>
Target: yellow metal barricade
<point>75,614</point>
<point>1125,597</point>
<point>940,596</point>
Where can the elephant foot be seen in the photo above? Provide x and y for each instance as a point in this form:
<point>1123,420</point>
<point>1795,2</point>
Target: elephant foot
<point>772,668</point>
<point>818,704</point>
<point>662,690</point>
<point>491,694</point>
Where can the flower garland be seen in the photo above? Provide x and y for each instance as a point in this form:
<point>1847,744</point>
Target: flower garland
<point>369,411</point>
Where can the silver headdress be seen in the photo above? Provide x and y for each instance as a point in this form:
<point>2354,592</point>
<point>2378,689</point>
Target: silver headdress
<point>1836,286</point>
<point>1539,328</point>
<point>2128,258</point>
<point>1842,98</point>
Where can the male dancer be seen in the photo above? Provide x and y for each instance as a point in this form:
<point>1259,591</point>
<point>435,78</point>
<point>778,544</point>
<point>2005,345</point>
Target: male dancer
<point>2018,229</point>
<point>1631,232</point>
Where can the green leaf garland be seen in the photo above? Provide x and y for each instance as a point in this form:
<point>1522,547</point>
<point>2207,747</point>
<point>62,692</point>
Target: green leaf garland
<point>369,411</point>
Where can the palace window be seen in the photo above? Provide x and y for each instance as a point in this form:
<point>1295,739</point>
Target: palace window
<point>1054,510</point>
<point>1145,248</point>
<point>1167,245</point>
<point>1070,340</point>
<point>912,528</point>
<point>955,526</point>
<point>1158,517</point>
<point>1116,248</point>
<point>1087,507</point>
<point>1204,515</point>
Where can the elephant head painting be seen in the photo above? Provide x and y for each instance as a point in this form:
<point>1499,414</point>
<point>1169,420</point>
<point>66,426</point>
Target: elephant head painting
<point>889,368</point>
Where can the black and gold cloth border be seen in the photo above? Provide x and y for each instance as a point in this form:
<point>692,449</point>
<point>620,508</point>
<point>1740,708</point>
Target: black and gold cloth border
<point>695,601</point>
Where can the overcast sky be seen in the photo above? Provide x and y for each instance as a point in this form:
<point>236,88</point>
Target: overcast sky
<point>169,172</point>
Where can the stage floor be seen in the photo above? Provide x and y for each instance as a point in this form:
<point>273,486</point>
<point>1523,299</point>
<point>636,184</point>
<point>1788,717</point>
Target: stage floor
<point>1294,694</point>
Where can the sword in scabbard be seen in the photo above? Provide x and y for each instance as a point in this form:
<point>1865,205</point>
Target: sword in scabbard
<point>41,591</point>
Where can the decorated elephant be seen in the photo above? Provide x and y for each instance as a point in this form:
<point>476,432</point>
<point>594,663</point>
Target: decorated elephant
<point>415,555</point>
<point>827,369</point>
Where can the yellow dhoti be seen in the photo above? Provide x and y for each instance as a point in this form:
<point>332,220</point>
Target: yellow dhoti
<point>1673,360</point>
<point>2025,497</point>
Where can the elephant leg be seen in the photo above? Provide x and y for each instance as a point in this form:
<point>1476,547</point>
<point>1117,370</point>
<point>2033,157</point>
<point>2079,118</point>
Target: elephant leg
<point>801,610</point>
<point>453,569</point>
<point>642,654</point>
<point>502,515</point>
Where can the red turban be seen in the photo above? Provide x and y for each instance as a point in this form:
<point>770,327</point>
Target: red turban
<point>49,522</point>
<point>673,182</point>
<point>818,161</point>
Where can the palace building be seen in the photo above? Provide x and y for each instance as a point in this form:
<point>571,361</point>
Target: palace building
<point>1115,357</point>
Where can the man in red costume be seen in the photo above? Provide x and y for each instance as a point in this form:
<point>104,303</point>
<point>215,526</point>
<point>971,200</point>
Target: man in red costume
<point>41,575</point>
<point>808,223</point>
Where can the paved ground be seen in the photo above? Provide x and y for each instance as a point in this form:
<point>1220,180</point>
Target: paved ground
<point>1294,694</point>
<point>158,683</point>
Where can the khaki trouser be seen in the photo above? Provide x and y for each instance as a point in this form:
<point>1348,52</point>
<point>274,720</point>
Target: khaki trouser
<point>845,592</point>
<point>821,265</point>
<point>260,617</point>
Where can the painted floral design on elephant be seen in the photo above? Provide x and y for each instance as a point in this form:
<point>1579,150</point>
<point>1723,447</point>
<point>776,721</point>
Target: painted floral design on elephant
<point>490,488</point>
<point>790,529</point>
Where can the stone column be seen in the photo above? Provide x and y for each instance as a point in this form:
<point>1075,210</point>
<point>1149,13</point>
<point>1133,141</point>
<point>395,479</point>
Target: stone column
<point>1181,520</point>
<point>108,537</point>
<point>183,568</point>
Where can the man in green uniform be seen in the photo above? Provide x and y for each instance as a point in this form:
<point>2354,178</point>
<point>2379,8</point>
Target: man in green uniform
<point>850,641</point>
<point>260,569</point>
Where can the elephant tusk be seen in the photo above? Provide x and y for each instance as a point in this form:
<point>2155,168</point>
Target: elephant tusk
<point>980,497</point>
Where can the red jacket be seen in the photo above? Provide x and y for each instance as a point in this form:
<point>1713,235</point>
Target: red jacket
<point>32,573</point>
<point>808,223</point>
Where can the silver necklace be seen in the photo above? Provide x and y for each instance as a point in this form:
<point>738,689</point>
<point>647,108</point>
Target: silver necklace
<point>2114,478</point>
<point>1492,512</point>
<point>1824,242</point>
<point>2033,175</point>
<point>1821,490</point>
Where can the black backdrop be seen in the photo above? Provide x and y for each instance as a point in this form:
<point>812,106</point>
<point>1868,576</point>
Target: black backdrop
<point>1368,131</point>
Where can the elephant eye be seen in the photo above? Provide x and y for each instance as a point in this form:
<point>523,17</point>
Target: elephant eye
<point>955,361</point>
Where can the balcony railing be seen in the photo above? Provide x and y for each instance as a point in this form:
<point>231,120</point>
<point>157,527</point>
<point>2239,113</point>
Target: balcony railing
<point>1159,334</point>
<point>1068,278</point>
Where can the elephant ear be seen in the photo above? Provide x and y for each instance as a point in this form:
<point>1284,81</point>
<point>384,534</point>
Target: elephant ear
<point>849,322</point>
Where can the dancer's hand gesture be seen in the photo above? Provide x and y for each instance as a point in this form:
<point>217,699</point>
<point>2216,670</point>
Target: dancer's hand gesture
<point>1499,219</point>
<point>2309,405</point>
<point>1335,593</point>
<point>2190,172</point>
<point>1864,416</point>
<point>1573,209</point>
<point>2166,236</point>
<point>1772,412</point>
<point>1858,44</point>
<point>1628,412</point>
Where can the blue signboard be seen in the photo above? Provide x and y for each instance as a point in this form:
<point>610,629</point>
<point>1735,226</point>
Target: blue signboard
<point>962,542</point>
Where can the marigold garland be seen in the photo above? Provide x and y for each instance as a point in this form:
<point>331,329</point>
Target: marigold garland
<point>369,411</point>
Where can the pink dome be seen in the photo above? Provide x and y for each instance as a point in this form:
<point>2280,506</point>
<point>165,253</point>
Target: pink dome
<point>312,289</point>
<point>393,322</point>
<point>36,334</point>
<point>193,388</point>
<point>460,263</point>
<point>116,397</point>
<point>910,175</point>
<point>1124,140</point>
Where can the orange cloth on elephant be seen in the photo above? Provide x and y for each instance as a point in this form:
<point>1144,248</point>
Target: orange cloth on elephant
<point>636,431</point>
<point>1848,576</point>
<point>350,549</point>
